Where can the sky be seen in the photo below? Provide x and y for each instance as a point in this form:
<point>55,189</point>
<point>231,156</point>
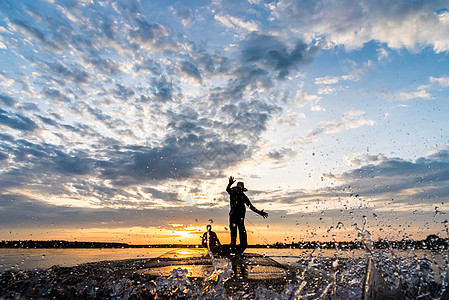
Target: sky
<point>121,121</point>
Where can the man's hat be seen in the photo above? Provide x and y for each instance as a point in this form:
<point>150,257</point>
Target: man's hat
<point>241,185</point>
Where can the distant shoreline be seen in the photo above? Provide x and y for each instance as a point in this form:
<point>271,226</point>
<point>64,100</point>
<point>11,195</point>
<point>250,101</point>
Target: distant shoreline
<point>432,242</point>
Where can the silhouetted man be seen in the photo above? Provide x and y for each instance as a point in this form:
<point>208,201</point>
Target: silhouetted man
<point>238,200</point>
<point>211,238</point>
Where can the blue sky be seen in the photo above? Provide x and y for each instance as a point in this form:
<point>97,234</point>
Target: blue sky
<point>121,120</point>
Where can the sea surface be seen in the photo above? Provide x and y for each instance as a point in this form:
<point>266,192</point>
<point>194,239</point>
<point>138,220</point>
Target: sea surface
<point>29,259</point>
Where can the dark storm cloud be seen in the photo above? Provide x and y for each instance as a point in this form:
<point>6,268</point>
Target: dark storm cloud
<point>212,64</point>
<point>33,31</point>
<point>3,156</point>
<point>98,114</point>
<point>123,92</point>
<point>17,211</point>
<point>147,33</point>
<point>275,155</point>
<point>29,106</point>
<point>281,154</point>
<point>421,181</point>
<point>43,162</point>
<point>259,56</point>
<point>191,70</point>
<point>7,100</point>
<point>187,121</point>
<point>149,65</point>
<point>106,66</point>
<point>73,75</point>
<point>17,121</point>
<point>250,117</point>
<point>236,87</point>
<point>140,165</point>
<point>81,129</point>
<point>55,94</point>
<point>273,54</point>
<point>48,121</point>
<point>189,150</point>
<point>166,196</point>
<point>77,163</point>
<point>163,89</point>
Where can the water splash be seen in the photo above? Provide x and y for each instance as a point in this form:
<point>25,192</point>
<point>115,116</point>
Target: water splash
<point>314,277</point>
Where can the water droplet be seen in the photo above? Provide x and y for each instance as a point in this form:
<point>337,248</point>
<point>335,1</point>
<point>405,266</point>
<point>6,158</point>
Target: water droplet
<point>335,263</point>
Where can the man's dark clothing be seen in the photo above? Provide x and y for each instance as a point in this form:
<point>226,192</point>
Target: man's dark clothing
<point>213,239</point>
<point>238,200</point>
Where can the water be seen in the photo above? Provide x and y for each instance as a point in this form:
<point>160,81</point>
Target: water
<point>29,259</point>
<point>313,274</point>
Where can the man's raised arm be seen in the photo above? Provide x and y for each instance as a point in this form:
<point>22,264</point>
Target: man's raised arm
<point>231,181</point>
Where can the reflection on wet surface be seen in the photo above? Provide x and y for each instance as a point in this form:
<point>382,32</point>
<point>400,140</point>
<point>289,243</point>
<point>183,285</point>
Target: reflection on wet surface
<point>197,262</point>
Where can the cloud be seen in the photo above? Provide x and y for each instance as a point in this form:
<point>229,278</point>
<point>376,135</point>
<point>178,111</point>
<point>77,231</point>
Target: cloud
<point>73,74</point>
<point>351,120</point>
<point>398,25</point>
<point>99,114</point>
<point>358,160</point>
<point>191,70</point>
<point>185,15</point>
<point>123,92</point>
<point>151,37</point>
<point>421,93</point>
<point>382,54</point>
<point>5,81</point>
<point>357,72</point>
<point>3,156</point>
<point>386,186</point>
<point>17,121</point>
<point>443,81</point>
<point>163,89</point>
<point>268,51</point>
<point>328,79</point>
<point>170,197</point>
<point>17,211</point>
<point>55,94</point>
<point>30,30</point>
<point>7,100</point>
<point>48,121</point>
<point>424,180</point>
<point>232,22</point>
<point>327,90</point>
<point>104,133</point>
<point>280,155</point>
<point>106,66</point>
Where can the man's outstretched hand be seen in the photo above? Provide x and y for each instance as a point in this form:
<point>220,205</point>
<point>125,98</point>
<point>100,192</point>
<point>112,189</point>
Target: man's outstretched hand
<point>231,180</point>
<point>263,214</point>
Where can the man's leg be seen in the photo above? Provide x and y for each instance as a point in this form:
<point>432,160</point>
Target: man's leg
<point>242,234</point>
<point>233,229</point>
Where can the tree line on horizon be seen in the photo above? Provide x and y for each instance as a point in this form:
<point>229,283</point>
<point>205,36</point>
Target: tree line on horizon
<point>432,242</point>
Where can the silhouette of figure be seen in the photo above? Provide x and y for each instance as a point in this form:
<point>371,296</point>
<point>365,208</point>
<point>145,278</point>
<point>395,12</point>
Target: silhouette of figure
<point>238,200</point>
<point>211,238</point>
